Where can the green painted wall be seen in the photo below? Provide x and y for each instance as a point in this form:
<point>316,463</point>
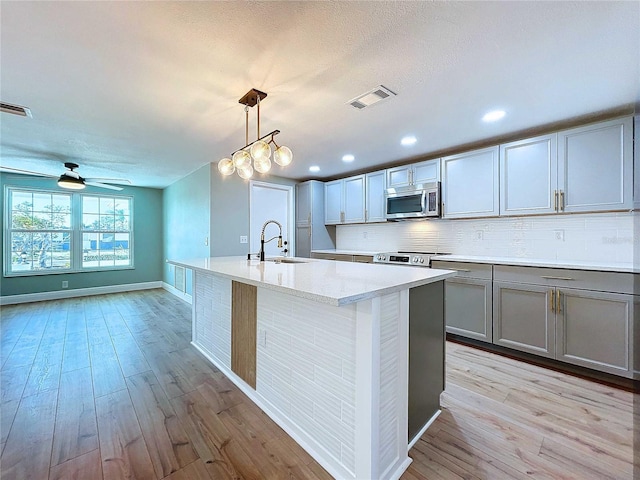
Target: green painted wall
<point>148,243</point>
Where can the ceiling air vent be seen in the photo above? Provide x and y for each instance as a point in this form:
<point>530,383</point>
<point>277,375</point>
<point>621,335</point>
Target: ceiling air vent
<point>371,97</point>
<point>15,109</point>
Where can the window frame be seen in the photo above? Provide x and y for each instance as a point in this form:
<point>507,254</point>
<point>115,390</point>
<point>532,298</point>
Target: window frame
<point>75,233</point>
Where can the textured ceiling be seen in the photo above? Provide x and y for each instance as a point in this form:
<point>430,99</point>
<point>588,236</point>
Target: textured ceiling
<point>149,90</point>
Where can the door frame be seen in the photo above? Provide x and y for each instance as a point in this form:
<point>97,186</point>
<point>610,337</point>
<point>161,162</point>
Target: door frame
<point>289,235</point>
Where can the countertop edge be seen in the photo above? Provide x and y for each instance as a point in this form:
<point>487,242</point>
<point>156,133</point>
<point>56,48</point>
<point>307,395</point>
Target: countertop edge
<point>538,262</point>
<point>334,301</point>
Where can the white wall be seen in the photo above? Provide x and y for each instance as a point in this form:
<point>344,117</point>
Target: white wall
<point>583,237</point>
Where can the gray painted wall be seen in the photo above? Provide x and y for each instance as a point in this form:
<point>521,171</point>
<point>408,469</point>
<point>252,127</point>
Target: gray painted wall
<point>186,220</point>
<point>147,232</point>
<point>202,204</point>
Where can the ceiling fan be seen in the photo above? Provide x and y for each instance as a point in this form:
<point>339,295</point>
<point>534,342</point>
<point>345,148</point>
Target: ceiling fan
<point>71,179</point>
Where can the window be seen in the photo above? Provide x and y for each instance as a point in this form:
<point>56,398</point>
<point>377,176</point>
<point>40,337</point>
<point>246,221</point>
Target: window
<point>51,232</point>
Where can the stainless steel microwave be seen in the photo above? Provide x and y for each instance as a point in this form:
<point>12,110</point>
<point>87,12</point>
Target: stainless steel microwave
<point>414,201</point>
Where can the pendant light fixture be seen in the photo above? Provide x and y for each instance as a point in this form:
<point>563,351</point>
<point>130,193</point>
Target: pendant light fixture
<point>257,155</point>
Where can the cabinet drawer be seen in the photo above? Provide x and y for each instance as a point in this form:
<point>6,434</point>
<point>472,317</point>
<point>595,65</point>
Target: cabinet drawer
<point>340,257</point>
<point>363,258</point>
<point>565,278</point>
<point>466,270</point>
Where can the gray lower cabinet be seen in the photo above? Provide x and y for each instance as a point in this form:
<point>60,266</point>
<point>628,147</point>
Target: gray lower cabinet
<point>522,318</point>
<point>538,311</point>
<point>593,329</point>
<point>468,303</point>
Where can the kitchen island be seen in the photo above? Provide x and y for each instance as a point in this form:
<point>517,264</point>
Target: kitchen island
<point>323,347</point>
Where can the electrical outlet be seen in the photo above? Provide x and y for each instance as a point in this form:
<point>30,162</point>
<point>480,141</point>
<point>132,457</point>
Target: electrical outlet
<point>365,235</point>
<point>244,239</point>
<point>65,284</point>
<point>559,235</point>
<point>206,241</point>
<point>479,234</point>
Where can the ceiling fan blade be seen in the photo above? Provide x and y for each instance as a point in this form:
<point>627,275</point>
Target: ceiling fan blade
<point>25,172</point>
<point>102,185</point>
<point>116,180</point>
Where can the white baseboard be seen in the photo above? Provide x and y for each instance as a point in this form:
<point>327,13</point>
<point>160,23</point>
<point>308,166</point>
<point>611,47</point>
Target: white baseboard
<point>424,429</point>
<point>174,291</point>
<point>77,292</point>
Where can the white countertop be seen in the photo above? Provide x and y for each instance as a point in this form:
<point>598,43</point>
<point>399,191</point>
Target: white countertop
<point>345,252</point>
<point>537,262</point>
<point>325,281</point>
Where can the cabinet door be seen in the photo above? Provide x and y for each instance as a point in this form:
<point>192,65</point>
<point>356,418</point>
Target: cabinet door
<point>398,176</point>
<point>596,166</point>
<point>523,318</point>
<point>374,211</point>
<point>333,202</point>
<point>528,176</point>
<point>468,308</point>
<point>594,330</point>
<point>426,172</point>
<point>470,184</point>
<point>354,199</point>
<point>303,242</point>
<point>303,204</point>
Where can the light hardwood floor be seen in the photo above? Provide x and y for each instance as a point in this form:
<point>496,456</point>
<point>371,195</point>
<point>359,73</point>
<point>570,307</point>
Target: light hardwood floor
<point>109,387</point>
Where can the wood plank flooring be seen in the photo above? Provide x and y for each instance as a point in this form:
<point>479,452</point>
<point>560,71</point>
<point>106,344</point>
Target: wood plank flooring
<point>108,387</point>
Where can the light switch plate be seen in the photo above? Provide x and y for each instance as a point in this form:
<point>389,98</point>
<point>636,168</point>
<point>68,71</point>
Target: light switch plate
<point>244,239</point>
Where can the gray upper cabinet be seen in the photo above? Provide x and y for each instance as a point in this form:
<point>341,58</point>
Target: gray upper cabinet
<point>423,172</point>
<point>528,176</point>
<point>345,200</point>
<point>470,184</point>
<point>374,193</point>
<point>304,203</point>
<point>311,232</point>
<point>596,167</point>
<point>333,202</point>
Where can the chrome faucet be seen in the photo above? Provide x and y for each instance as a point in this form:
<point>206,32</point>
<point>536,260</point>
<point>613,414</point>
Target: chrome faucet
<point>263,241</point>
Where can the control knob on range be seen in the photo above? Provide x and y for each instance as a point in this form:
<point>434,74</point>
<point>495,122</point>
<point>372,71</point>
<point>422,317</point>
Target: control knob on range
<point>421,259</point>
<point>414,259</point>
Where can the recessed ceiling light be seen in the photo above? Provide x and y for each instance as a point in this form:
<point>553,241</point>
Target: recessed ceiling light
<point>408,140</point>
<point>493,115</point>
<point>314,168</point>
<point>348,158</point>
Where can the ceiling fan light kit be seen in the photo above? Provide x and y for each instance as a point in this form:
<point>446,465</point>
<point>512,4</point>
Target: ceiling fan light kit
<point>257,155</point>
<point>71,179</point>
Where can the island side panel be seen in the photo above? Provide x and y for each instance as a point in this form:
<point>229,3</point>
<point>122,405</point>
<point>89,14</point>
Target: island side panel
<point>426,354</point>
<point>243,331</point>
<point>306,372</point>
<point>212,317</point>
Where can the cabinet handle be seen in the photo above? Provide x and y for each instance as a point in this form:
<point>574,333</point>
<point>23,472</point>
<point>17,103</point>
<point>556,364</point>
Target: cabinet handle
<point>551,277</point>
<point>341,217</point>
<point>552,304</point>
<point>309,218</point>
<point>562,200</point>
<point>310,231</point>
<point>366,215</point>
<point>459,269</point>
<point>555,200</point>
<point>559,300</point>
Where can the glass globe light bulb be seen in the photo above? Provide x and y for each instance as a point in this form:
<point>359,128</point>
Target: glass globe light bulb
<point>241,158</point>
<point>260,149</point>
<point>283,156</point>
<point>246,171</point>
<point>262,165</point>
<point>226,167</point>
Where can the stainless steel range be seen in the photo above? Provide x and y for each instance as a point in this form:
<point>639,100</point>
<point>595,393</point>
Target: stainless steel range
<point>414,259</point>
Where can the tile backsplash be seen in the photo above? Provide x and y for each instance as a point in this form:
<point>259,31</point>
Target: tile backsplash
<point>604,237</point>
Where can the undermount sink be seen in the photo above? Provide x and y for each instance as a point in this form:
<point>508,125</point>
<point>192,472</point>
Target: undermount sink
<point>286,260</point>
